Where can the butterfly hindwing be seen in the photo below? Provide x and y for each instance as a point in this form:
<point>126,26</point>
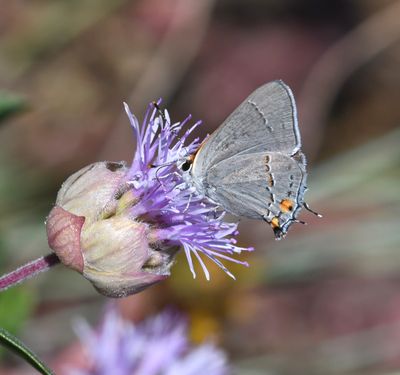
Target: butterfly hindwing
<point>268,186</point>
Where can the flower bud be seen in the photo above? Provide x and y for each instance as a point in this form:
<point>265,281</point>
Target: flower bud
<point>92,231</point>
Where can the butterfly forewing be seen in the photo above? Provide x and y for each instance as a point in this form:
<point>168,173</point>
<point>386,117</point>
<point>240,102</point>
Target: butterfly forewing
<point>265,122</point>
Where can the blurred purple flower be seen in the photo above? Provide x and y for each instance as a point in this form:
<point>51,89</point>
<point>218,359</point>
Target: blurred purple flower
<point>158,346</point>
<point>121,227</point>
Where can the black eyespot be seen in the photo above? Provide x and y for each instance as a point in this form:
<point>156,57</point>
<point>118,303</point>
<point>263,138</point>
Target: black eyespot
<point>186,166</point>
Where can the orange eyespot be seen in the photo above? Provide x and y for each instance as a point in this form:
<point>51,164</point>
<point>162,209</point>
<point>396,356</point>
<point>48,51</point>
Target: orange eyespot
<point>275,222</point>
<point>286,205</point>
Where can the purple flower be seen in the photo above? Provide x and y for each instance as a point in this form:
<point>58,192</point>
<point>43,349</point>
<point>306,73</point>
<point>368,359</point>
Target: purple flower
<point>164,198</point>
<point>121,227</point>
<point>158,346</point>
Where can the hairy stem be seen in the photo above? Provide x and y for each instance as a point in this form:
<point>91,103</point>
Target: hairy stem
<point>28,270</point>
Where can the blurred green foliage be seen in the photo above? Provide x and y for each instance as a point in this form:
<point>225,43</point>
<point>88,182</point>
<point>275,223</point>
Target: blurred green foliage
<point>16,305</point>
<point>10,104</point>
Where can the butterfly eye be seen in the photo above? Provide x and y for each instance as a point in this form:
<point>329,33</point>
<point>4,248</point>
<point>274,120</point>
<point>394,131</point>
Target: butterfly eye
<point>186,165</point>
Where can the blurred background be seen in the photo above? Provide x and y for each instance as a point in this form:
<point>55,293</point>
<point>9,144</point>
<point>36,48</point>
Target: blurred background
<point>326,300</point>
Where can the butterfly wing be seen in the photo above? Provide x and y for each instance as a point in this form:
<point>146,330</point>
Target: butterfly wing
<point>262,185</point>
<point>265,122</point>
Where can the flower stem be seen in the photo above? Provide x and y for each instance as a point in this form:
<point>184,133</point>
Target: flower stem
<point>28,270</point>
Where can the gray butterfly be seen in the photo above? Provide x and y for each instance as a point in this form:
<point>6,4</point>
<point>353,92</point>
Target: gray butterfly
<point>252,165</point>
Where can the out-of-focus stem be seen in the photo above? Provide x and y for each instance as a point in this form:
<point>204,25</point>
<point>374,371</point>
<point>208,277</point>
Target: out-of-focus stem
<point>28,270</point>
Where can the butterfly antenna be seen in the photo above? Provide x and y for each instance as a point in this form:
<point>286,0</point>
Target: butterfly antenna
<point>307,207</point>
<point>158,170</point>
<point>159,178</point>
<point>162,114</point>
<point>160,111</point>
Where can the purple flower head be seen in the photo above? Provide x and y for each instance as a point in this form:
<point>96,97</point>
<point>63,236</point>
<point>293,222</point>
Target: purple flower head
<point>158,346</point>
<point>183,216</point>
<point>121,227</point>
